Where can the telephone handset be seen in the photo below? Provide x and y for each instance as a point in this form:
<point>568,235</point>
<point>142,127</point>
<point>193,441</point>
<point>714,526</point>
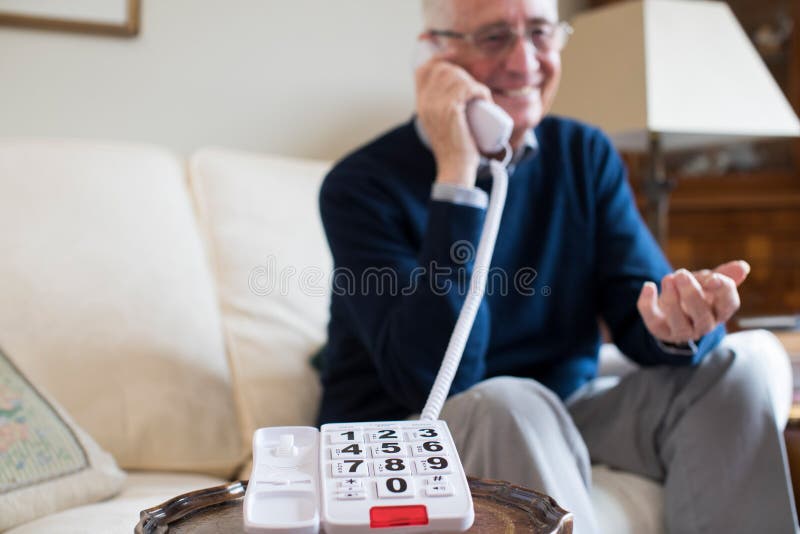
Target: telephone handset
<point>490,125</point>
<point>395,476</point>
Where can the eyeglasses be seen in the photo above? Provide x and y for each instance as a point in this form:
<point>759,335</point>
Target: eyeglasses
<point>496,39</point>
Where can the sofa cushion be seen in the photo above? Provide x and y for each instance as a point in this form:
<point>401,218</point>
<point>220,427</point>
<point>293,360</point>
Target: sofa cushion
<point>47,462</point>
<point>272,266</point>
<point>108,302</point>
<point>120,514</point>
<point>625,503</point>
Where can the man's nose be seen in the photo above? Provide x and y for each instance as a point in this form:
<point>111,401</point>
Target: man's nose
<point>523,56</point>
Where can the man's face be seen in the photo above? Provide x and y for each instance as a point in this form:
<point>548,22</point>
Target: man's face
<point>523,80</point>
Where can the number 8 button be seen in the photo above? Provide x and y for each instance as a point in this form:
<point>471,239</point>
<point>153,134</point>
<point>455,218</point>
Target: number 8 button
<point>391,467</point>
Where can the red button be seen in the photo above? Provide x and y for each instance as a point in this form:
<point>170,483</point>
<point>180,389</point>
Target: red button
<point>397,516</point>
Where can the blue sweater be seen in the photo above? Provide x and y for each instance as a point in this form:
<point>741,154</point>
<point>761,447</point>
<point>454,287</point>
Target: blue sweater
<point>571,248</point>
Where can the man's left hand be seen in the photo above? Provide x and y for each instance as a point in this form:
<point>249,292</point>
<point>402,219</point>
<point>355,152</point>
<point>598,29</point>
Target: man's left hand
<point>692,304</point>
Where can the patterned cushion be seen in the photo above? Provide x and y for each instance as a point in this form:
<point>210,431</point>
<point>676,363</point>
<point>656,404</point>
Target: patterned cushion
<point>47,463</point>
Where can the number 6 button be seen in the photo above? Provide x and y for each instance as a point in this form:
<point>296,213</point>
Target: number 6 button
<point>427,448</point>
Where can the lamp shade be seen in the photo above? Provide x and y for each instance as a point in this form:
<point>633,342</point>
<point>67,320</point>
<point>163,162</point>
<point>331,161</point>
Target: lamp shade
<point>684,69</point>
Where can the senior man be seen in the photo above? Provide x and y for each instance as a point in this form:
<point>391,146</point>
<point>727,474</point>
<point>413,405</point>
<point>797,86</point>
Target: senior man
<point>524,406</point>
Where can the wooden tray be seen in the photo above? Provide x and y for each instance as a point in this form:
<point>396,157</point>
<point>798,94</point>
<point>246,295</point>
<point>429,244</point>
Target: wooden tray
<point>499,507</point>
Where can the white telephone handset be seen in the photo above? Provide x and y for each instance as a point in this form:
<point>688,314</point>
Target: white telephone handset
<point>396,476</point>
<point>490,125</point>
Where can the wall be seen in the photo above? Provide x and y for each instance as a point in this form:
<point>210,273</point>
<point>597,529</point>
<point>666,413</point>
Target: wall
<point>295,77</point>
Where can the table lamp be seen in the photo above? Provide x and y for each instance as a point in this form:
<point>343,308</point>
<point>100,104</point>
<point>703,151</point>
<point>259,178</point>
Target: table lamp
<point>666,75</point>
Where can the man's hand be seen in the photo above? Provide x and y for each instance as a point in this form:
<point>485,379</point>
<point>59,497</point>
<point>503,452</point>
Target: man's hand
<point>692,304</point>
<point>443,90</point>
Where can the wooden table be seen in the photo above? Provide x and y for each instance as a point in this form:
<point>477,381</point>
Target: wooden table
<point>499,507</point>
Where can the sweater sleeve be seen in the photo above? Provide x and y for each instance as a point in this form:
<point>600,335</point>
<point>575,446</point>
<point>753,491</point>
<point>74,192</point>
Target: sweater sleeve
<point>402,300</point>
<point>628,256</point>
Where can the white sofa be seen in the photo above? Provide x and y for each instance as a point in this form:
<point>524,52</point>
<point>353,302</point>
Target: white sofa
<point>171,308</point>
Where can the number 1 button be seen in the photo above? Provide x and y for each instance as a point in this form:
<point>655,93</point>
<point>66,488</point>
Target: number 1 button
<point>346,436</point>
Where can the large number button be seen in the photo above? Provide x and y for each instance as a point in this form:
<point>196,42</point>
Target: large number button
<point>419,434</point>
<point>349,468</point>
<point>346,435</point>
<point>351,450</point>
<point>427,448</point>
<point>433,465</point>
<point>389,448</point>
<point>388,433</point>
<point>395,487</point>
<point>391,467</point>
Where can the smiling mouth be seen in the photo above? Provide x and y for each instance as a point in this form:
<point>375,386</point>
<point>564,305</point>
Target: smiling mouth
<point>517,93</point>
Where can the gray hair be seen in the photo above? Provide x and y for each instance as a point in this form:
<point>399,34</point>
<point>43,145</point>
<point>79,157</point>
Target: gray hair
<point>437,13</point>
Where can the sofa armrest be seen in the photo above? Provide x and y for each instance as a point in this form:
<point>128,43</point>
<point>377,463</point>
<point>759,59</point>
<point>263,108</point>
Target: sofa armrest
<point>777,365</point>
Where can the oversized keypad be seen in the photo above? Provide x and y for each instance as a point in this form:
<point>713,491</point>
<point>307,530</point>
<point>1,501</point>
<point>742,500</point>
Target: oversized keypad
<point>392,474</point>
<point>391,461</point>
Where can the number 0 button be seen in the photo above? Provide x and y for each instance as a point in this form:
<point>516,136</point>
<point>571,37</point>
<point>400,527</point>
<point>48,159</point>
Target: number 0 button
<point>395,487</point>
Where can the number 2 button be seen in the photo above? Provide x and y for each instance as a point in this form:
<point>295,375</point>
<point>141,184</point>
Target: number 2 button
<point>384,434</point>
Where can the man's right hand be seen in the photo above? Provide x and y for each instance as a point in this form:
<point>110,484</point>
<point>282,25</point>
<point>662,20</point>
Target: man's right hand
<point>443,90</point>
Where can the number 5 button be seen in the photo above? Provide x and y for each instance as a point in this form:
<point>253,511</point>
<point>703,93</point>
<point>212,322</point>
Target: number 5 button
<point>389,448</point>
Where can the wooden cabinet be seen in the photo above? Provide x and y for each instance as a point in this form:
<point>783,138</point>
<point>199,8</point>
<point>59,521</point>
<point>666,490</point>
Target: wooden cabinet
<point>743,201</point>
